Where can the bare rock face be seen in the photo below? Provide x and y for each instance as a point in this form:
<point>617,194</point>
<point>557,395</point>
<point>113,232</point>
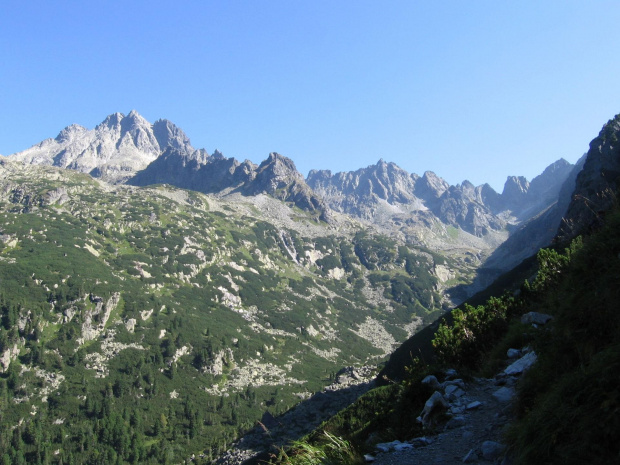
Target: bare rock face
<point>276,176</point>
<point>463,205</point>
<point>514,195</point>
<point>597,184</point>
<point>539,230</point>
<point>358,192</point>
<point>385,188</point>
<point>371,191</point>
<point>431,187</point>
<point>196,171</point>
<point>114,151</point>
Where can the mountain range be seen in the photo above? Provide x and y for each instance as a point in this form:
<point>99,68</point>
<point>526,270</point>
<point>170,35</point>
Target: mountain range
<point>469,222</point>
<point>157,301</point>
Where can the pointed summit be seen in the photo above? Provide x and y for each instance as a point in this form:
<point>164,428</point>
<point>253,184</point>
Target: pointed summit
<point>114,151</point>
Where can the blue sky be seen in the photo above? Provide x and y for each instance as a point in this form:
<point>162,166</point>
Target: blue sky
<point>475,90</point>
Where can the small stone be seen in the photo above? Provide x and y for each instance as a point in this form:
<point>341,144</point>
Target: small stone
<point>473,405</point>
<point>513,353</point>
<point>369,458</point>
<point>457,410</point>
<point>491,450</point>
<point>402,446</point>
<point>457,382</point>
<point>450,389</point>
<point>451,373</point>
<point>468,435</point>
<point>455,422</point>
<point>521,365</point>
<point>535,318</point>
<point>431,381</point>
<point>421,441</point>
<point>504,394</point>
<point>471,457</point>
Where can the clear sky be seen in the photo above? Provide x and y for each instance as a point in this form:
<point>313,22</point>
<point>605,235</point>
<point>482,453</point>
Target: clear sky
<point>475,90</point>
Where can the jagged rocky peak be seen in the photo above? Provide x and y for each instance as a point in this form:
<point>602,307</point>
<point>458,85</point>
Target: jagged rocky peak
<point>278,177</point>
<point>280,167</point>
<point>430,186</point>
<point>114,150</point>
<point>547,185</point>
<point>385,181</point>
<point>514,195</point>
<point>69,133</point>
<point>170,135</point>
<point>516,186</point>
<point>112,121</point>
<point>218,155</point>
<point>195,170</point>
<point>597,184</point>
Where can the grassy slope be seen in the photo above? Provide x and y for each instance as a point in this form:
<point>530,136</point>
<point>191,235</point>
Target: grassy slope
<point>569,403</point>
<point>169,257</point>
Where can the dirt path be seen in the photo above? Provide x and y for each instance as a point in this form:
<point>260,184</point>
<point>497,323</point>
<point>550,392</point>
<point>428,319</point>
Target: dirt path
<point>474,426</point>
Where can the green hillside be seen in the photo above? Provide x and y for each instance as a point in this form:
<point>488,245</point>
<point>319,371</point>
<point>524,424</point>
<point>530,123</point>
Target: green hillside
<point>568,403</point>
<point>144,325</point>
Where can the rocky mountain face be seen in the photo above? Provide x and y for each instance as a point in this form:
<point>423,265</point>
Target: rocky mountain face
<point>466,221</point>
<point>477,210</point>
<point>596,186</point>
<point>536,232</point>
<point>130,149</point>
<point>196,171</point>
<point>359,192</point>
<point>114,151</point>
<point>210,174</point>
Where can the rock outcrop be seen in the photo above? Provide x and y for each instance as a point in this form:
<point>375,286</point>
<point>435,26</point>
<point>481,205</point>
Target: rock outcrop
<point>596,186</point>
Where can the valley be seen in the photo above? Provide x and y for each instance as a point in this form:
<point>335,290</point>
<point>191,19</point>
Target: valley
<point>158,301</point>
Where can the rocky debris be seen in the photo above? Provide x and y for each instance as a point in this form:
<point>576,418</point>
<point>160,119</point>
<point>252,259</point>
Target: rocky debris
<point>130,324</point>
<point>98,361</point>
<point>352,376</point>
<point>477,417</point>
<point>9,240</point>
<point>9,354</point>
<point>219,360</point>
<point>373,331</point>
<point>535,318</point>
<point>51,381</point>
<point>94,320</point>
<point>180,353</point>
<point>393,446</point>
<point>521,365</point>
<point>436,400</point>
<point>253,372</point>
<point>58,196</point>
